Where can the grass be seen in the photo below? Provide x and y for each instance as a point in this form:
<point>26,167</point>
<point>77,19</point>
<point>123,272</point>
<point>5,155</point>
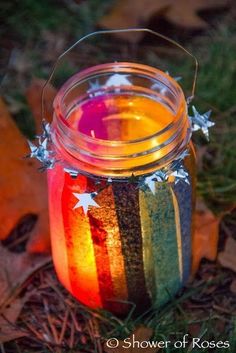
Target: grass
<point>216,91</point>
<point>27,19</point>
<point>206,307</point>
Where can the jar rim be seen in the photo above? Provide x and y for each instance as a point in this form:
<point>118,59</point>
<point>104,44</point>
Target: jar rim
<point>118,66</point>
<point>113,156</point>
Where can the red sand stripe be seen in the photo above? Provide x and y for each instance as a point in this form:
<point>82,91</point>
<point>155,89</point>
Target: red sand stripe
<point>99,236</point>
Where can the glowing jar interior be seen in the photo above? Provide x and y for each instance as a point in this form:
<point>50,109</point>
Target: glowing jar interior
<point>120,117</point>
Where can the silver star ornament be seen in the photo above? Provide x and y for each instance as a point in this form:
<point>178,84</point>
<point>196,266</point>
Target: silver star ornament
<point>95,89</point>
<point>73,173</point>
<point>180,174</point>
<point>45,133</point>
<point>184,154</point>
<point>118,80</point>
<point>46,130</point>
<point>150,183</point>
<point>177,169</point>
<point>41,151</point>
<point>42,154</point>
<point>176,78</point>
<point>160,176</point>
<point>85,201</point>
<point>201,122</point>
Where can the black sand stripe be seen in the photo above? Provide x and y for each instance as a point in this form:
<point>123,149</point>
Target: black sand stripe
<point>127,209</point>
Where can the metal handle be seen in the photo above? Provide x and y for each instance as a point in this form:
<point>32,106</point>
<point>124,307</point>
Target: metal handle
<point>93,34</point>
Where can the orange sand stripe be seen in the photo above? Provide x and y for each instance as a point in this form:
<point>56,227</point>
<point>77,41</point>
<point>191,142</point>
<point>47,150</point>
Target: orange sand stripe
<point>82,265</point>
<point>102,260</point>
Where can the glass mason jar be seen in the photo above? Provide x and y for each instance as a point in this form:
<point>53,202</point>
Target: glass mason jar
<point>118,236</point>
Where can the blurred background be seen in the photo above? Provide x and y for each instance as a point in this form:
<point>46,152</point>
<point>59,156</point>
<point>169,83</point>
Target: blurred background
<point>33,34</point>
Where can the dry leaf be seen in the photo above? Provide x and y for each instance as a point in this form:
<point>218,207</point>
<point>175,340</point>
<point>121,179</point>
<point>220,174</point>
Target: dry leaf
<point>15,269</point>
<point>183,13</point>
<point>227,257</point>
<point>205,237</point>
<point>23,189</point>
<point>8,317</point>
<point>33,96</point>
<point>141,334</point>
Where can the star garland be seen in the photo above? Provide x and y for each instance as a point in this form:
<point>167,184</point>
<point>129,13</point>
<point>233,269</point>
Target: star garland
<point>174,172</point>
<point>41,151</point>
<point>175,169</point>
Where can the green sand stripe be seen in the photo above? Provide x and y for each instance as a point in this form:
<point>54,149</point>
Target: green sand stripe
<point>160,253</point>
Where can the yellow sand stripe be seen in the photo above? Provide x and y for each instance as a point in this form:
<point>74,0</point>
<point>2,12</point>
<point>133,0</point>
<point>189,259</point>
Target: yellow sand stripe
<point>178,233</point>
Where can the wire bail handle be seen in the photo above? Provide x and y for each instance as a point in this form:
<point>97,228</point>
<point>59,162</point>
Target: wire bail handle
<point>96,33</point>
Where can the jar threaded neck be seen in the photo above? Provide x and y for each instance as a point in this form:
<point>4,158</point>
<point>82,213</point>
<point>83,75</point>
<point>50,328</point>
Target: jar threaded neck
<point>145,146</point>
